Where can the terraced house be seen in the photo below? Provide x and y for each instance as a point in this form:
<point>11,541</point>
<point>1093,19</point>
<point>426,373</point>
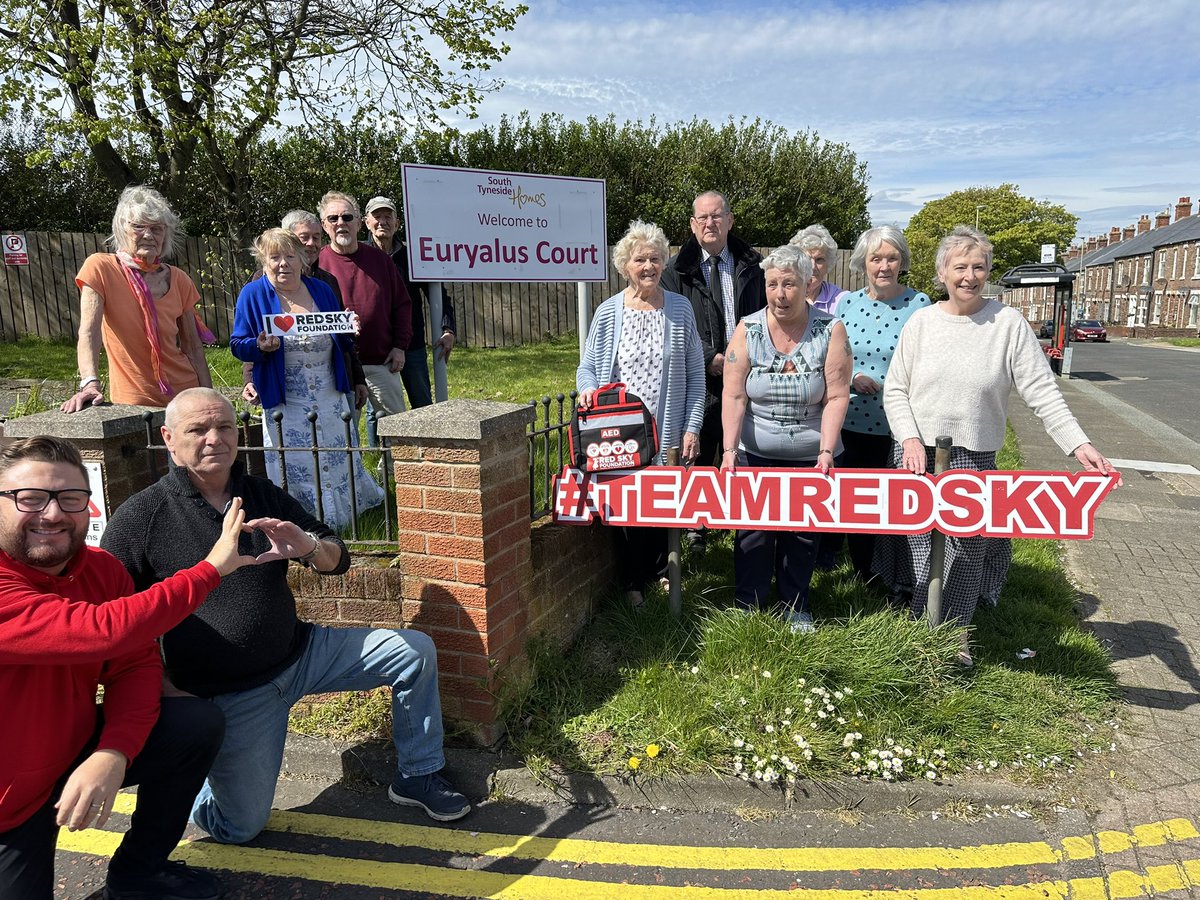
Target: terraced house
<point>1144,277</point>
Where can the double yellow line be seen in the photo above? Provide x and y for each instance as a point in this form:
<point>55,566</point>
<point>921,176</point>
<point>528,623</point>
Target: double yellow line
<point>1117,885</point>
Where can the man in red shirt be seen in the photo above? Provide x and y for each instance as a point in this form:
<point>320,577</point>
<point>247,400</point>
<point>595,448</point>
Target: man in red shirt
<point>371,286</point>
<point>70,622</point>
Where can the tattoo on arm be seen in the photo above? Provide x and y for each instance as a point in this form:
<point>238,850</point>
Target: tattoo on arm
<point>731,356</point>
<point>849,351</point>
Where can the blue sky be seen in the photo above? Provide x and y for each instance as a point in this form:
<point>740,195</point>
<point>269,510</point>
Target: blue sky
<point>1094,105</point>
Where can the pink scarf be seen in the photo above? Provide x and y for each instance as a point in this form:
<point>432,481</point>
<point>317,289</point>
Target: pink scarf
<point>133,268</point>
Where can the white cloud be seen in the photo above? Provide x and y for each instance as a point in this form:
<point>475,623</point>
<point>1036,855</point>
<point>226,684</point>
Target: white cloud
<point>1067,101</point>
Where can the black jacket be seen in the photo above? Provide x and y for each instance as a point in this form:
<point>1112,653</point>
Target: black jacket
<point>420,298</point>
<point>684,274</point>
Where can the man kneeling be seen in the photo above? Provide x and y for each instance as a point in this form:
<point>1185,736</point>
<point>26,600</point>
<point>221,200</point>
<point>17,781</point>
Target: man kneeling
<point>246,649</point>
<point>70,622</point>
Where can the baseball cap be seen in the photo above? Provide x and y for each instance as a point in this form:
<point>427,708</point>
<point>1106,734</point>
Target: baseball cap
<point>379,203</point>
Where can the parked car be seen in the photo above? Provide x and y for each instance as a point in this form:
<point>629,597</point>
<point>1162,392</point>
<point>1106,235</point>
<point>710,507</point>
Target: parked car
<point>1047,329</point>
<point>1088,330</point>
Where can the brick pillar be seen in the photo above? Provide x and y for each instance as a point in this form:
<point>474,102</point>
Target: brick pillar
<point>114,436</point>
<point>462,498</point>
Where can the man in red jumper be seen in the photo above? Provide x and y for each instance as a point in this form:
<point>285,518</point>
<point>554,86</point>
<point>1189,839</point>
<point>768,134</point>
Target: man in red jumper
<point>70,622</point>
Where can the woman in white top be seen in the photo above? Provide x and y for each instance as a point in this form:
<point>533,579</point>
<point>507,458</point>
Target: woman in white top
<point>954,367</point>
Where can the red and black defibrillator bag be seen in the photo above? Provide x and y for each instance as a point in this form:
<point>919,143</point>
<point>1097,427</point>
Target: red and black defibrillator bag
<point>617,432</point>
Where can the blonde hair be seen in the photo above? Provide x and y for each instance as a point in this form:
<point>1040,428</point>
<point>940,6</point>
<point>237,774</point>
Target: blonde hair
<point>276,240</point>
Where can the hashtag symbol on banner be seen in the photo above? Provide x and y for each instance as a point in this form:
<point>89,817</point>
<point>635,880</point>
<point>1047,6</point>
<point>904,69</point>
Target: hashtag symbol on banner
<point>570,496</point>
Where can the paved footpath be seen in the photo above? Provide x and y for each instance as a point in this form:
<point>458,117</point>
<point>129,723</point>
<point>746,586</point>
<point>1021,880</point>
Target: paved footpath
<point>1139,578</point>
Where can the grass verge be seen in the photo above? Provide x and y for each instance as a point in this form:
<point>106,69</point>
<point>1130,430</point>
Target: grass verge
<point>871,693</point>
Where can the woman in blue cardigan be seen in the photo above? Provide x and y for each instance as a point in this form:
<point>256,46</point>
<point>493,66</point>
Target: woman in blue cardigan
<point>646,337</point>
<point>301,374</point>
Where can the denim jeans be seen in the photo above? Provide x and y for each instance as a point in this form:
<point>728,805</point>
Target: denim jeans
<point>235,802</point>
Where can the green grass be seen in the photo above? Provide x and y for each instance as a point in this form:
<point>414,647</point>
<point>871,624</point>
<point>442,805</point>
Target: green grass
<point>1183,342</point>
<point>697,686</point>
<point>628,682</point>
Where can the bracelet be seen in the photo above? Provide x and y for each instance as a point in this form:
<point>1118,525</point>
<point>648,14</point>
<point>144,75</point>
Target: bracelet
<point>308,557</point>
<point>729,450</point>
<point>830,452</point>
<point>86,381</point>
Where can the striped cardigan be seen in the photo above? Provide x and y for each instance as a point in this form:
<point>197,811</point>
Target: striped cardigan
<point>681,400</point>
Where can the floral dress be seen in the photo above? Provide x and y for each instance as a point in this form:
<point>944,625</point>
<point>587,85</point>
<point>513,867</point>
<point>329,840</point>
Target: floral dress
<point>309,386</point>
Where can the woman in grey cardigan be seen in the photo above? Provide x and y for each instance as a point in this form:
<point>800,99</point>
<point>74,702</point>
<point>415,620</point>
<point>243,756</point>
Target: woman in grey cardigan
<point>646,337</point>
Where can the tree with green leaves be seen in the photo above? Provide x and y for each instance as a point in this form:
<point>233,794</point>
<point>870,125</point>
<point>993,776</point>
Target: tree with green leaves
<point>1016,225</point>
<point>193,83</point>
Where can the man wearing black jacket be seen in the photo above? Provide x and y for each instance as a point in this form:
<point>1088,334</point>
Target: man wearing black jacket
<point>739,291</point>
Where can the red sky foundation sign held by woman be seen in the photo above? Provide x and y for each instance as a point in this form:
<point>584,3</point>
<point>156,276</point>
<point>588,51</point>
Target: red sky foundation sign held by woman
<point>960,502</point>
<point>481,225</point>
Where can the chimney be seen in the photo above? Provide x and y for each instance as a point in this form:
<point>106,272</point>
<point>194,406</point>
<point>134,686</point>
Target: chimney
<point>1128,232</point>
<point>1114,235</point>
<point>1143,225</point>
<point>1102,241</point>
<point>1183,208</point>
<point>1163,219</point>
<point>1092,244</point>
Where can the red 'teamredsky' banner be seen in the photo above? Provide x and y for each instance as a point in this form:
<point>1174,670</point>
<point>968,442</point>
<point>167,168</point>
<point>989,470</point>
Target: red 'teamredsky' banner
<point>959,502</point>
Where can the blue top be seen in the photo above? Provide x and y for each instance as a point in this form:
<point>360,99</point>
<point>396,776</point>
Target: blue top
<point>785,392</point>
<point>873,327</point>
<point>681,398</point>
<point>258,299</point>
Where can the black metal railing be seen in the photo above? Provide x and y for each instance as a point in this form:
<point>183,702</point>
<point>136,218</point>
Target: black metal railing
<point>549,449</point>
<point>374,528</point>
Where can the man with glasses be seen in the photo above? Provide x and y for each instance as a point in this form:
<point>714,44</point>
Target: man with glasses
<point>720,274</point>
<point>70,621</point>
<point>382,226</point>
<point>370,286</point>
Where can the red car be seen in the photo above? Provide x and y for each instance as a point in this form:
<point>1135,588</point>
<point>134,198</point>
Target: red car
<point>1088,330</point>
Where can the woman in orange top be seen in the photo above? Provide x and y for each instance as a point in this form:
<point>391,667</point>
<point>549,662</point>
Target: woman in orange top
<point>142,309</point>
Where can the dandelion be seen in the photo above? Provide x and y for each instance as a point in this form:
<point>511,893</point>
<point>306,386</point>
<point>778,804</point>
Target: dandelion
<point>634,762</point>
<point>652,750</point>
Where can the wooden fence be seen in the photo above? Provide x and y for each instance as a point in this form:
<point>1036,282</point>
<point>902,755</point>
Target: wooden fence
<point>41,299</point>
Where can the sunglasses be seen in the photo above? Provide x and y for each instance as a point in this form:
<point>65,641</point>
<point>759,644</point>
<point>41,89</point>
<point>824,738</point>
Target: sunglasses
<point>344,217</point>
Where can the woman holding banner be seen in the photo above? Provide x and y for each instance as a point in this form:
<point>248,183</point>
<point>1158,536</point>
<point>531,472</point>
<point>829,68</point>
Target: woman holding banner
<point>954,368</point>
<point>298,375</point>
<point>787,384</point>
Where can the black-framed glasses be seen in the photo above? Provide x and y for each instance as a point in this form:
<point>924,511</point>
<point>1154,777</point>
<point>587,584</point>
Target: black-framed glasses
<point>344,217</point>
<point>31,500</point>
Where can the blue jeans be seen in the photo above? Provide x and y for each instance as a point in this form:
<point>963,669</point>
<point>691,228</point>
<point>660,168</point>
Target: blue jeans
<point>235,801</point>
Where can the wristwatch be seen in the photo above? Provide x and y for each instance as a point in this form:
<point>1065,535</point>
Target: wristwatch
<point>86,381</point>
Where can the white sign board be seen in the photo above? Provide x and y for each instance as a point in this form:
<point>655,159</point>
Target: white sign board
<point>480,225</point>
<point>292,324</point>
<point>16,252</point>
<point>1047,254</point>
<point>97,510</point>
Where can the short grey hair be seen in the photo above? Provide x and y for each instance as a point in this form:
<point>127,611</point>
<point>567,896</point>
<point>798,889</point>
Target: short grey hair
<point>139,203</point>
<point>724,200</point>
<point>187,396</point>
<point>295,217</point>
<point>789,258</point>
<point>816,237</point>
<point>333,197</point>
<point>639,234</point>
<point>962,239</point>
<point>870,241</point>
